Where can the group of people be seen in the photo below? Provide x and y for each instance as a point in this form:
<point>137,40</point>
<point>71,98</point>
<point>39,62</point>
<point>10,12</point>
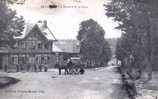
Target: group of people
<point>70,68</point>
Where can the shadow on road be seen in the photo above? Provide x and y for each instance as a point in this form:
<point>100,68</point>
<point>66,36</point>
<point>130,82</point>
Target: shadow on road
<point>6,81</point>
<point>119,92</point>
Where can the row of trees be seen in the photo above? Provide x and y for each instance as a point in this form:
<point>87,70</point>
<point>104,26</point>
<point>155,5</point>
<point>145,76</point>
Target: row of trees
<point>94,47</point>
<point>137,21</point>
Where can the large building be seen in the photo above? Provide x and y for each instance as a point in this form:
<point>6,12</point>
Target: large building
<point>34,47</point>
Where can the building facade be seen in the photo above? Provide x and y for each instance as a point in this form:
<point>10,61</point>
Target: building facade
<point>32,48</point>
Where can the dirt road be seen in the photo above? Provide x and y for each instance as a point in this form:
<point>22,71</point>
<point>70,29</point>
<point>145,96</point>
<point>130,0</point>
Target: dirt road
<point>102,83</point>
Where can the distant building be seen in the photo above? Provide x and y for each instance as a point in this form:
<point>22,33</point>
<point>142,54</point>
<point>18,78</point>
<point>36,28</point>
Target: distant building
<point>65,49</point>
<point>34,47</point>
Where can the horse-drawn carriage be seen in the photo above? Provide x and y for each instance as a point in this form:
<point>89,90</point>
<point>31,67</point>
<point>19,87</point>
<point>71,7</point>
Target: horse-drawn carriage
<point>72,66</point>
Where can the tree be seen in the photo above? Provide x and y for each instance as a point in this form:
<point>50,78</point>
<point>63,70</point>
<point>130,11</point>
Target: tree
<point>11,25</point>
<point>134,17</point>
<point>91,36</point>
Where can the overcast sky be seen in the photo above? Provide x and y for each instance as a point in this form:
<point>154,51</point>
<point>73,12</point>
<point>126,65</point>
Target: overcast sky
<point>64,21</point>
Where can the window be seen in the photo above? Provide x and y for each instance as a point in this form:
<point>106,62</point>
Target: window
<point>23,45</point>
<point>22,59</point>
<point>42,59</point>
<point>45,59</point>
<point>38,59</point>
<point>31,44</point>
<point>14,59</point>
<point>31,60</point>
<point>39,45</point>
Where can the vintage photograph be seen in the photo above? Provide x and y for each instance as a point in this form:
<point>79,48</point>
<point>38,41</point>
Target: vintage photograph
<point>78,49</point>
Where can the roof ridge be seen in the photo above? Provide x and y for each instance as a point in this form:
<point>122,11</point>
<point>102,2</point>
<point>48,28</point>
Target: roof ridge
<point>51,33</point>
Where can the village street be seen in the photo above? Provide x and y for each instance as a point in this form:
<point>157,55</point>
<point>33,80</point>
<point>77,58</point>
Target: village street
<point>101,83</point>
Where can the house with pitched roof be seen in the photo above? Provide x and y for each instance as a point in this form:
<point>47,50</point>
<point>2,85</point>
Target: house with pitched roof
<point>34,47</point>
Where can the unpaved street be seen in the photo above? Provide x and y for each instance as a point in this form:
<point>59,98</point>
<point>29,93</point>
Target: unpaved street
<point>102,83</point>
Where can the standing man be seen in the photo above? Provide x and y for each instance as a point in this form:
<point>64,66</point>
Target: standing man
<point>28,67</point>
<point>69,65</point>
<point>59,67</point>
<point>6,68</point>
<point>35,68</point>
<point>17,68</point>
<point>45,68</point>
<point>40,67</point>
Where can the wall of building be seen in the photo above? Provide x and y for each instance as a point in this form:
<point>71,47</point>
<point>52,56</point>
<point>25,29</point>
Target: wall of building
<point>23,60</point>
<point>34,49</point>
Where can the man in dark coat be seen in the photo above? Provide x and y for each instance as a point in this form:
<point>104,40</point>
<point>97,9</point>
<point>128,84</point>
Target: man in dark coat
<point>28,67</point>
<point>69,65</point>
<point>6,68</point>
<point>17,68</point>
<point>35,68</point>
<point>40,67</point>
<point>45,68</point>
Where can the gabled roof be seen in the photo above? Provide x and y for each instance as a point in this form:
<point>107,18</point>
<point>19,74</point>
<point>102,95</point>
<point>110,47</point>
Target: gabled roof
<point>66,46</point>
<point>46,32</point>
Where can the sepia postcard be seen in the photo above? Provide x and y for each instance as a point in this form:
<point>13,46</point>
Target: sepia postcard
<point>78,49</point>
